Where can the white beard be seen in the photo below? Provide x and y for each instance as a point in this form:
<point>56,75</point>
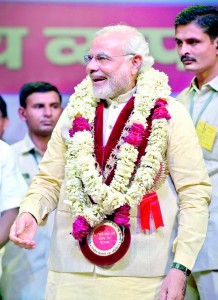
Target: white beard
<point>113,86</point>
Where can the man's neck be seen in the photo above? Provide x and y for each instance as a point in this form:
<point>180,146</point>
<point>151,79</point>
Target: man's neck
<point>205,77</point>
<point>40,142</point>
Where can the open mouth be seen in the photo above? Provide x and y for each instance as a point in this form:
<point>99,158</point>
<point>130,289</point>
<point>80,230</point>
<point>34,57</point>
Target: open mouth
<point>98,79</point>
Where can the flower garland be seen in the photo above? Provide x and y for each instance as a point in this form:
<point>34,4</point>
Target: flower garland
<point>83,181</point>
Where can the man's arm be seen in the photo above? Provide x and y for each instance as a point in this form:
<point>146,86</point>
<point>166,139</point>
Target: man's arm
<point>189,174</point>
<point>6,220</point>
<point>190,177</point>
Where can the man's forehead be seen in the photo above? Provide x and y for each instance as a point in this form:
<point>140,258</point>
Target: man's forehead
<point>108,42</point>
<point>43,97</point>
<point>191,29</point>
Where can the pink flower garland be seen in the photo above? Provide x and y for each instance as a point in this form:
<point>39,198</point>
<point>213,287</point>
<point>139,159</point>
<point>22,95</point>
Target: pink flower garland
<point>160,112</point>
<point>79,124</point>
<point>135,135</point>
<point>81,227</point>
<point>121,215</point>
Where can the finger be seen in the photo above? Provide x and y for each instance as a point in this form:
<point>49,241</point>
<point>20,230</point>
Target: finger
<point>18,239</point>
<point>20,226</point>
<point>24,243</point>
<point>163,295</point>
<point>13,231</point>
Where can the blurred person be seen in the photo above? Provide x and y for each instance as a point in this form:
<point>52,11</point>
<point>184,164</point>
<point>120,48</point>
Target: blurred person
<point>123,160</point>
<point>197,45</point>
<point>3,117</point>
<point>24,272</point>
<point>12,189</point>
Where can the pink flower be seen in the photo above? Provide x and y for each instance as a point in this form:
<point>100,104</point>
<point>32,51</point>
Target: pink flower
<point>137,128</point>
<point>161,102</point>
<point>135,135</point>
<point>121,215</point>
<point>79,124</point>
<point>161,113</point>
<point>80,228</point>
<point>133,139</point>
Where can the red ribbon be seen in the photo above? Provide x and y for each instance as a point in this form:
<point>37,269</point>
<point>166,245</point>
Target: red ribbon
<point>148,205</point>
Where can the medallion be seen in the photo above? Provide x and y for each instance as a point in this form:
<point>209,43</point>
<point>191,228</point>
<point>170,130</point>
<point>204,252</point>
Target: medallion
<point>106,244</point>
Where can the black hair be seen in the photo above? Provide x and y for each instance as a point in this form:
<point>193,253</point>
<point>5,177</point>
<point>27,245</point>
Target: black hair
<point>36,87</point>
<point>3,108</point>
<point>205,16</point>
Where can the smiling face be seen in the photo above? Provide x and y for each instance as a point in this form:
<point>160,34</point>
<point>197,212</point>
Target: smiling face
<point>197,52</point>
<point>116,74</point>
<point>41,113</point>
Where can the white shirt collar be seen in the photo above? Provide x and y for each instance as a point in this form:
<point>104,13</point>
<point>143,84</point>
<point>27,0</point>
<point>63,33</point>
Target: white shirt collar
<point>122,98</point>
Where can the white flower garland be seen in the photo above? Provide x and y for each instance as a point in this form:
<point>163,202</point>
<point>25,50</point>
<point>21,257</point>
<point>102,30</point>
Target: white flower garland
<point>82,177</point>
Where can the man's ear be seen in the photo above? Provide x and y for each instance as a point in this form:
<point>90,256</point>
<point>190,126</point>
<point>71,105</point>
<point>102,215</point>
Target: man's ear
<point>22,113</point>
<point>136,62</point>
<point>5,123</point>
<point>216,44</point>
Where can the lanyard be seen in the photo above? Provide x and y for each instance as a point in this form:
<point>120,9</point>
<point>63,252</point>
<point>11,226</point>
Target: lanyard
<point>206,103</point>
<point>33,152</point>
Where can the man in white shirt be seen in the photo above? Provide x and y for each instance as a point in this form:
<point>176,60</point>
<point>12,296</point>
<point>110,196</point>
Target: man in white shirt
<point>12,189</point>
<point>197,45</point>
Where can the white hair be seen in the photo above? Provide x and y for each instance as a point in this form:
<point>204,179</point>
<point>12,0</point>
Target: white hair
<point>135,43</point>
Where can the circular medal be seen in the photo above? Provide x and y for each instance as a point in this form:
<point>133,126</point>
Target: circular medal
<point>106,243</point>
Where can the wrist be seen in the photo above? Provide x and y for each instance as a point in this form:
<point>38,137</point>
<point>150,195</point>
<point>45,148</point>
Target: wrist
<point>182,268</point>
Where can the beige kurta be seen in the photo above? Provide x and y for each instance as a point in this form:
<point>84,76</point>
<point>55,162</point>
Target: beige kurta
<point>184,199</point>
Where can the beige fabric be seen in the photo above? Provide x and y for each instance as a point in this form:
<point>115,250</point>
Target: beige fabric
<point>66,286</point>
<point>150,253</point>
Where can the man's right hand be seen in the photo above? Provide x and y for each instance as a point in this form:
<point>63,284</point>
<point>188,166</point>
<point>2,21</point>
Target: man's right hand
<point>23,231</point>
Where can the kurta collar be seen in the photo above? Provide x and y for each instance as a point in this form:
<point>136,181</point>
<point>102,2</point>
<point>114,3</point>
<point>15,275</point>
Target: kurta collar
<point>122,98</point>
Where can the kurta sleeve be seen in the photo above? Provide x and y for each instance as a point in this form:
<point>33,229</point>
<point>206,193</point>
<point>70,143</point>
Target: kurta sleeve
<point>190,177</point>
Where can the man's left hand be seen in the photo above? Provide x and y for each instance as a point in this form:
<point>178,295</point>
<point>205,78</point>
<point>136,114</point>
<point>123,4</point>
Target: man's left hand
<point>174,285</point>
